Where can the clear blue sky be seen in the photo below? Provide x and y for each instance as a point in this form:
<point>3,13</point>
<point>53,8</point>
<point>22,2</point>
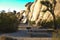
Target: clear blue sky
<point>13,4</point>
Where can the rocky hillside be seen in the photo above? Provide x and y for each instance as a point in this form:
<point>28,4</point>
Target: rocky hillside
<point>41,10</point>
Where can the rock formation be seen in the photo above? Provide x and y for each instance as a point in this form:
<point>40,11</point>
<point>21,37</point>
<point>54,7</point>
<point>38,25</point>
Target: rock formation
<point>41,14</point>
<point>31,10</point>
<point>35,11</point>
<point>57,8</point>
<point>27,8</point>
<point>21,14</point>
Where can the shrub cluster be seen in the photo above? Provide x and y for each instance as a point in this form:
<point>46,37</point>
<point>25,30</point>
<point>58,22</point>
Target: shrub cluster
<point>8,22</point>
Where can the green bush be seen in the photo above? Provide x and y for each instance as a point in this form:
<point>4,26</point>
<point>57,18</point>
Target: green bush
<point>8,22</point>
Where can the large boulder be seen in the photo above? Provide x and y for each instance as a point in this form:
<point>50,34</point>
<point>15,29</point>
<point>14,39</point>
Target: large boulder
<point>27,8</point>
<point>41,14</point>
<point>36,10</point>
<point>31,10</point>
<point>21,14</point>
<point>57,8</point>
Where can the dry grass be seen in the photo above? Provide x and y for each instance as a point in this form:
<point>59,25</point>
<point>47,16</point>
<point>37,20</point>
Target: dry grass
<point>56,36</point>
<point>2,37</point>
<point>6,38</point>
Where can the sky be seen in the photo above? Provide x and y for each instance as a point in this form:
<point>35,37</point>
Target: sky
<point>10,5</point>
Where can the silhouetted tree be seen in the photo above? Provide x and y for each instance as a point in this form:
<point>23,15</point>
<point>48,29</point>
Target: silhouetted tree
<point>14,12</point>
<point>51,8</point>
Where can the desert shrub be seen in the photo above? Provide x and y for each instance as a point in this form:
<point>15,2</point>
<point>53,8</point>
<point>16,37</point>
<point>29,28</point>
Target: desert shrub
<point>8,22</point>
<point>45,24</point>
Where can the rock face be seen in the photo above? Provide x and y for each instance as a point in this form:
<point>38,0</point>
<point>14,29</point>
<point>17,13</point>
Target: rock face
<point>57,8</point>
<point>27,8</point>
<point>21,14</point>
<point>35,11</point>
<point>31,10</point>
<point>41,14</point>
<point>38,15</point>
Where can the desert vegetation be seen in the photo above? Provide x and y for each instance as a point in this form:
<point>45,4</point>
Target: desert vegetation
<point>8,22</point>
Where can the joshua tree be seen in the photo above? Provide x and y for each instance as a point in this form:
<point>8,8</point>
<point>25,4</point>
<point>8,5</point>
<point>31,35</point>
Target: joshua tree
<point>14,12</point>
<point>51,8</point>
